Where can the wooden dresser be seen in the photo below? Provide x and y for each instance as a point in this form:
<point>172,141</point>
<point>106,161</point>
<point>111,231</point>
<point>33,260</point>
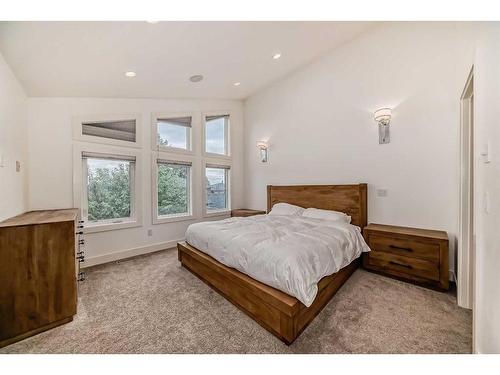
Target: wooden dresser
<point>245,212</point>
<point>38,272</point>
<point>417,255</point>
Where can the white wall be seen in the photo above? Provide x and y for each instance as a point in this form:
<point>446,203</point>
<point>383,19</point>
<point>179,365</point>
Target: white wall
<point>320,128</point>
<point>319,122</point>
<point>13,125</point>
<point>487,115</point>
<point>51,165</point>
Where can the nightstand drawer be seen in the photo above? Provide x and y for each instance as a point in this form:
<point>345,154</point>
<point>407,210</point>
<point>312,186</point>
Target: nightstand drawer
<point>404,247</point>
<point>411,254</point>
<point>402,265</point>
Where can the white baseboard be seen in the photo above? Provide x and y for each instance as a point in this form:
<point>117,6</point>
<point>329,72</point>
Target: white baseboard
<point>124,254</point>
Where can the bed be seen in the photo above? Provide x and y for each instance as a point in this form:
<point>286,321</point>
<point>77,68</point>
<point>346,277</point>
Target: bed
<point>283,314</point>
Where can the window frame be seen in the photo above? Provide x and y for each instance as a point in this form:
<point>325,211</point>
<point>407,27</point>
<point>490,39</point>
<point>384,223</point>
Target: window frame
<point>156,219</point>
<point>214,164</point>
<point>79,136</point>
<point>227,135</point>
<point>154,132</point>
<point>80,187</point>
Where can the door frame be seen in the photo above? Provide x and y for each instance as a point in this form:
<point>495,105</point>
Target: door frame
<point>466,238</point>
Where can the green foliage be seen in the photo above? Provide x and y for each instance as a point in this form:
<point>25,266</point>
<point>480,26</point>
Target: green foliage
<point>172,189</point>
<point>109,192</point>
<point>162,141</point>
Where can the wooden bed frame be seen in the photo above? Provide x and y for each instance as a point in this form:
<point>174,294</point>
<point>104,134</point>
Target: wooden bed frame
<point>279,313</point>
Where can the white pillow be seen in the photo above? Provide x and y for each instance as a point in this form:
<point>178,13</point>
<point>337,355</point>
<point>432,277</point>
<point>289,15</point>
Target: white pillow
<point>316,213</point>
<point>286,209</point>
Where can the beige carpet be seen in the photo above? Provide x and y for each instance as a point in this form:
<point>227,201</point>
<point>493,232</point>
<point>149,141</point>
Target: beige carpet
<point>151,305</point>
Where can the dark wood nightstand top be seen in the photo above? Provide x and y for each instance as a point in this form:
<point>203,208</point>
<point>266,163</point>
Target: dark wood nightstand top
<point>244,212</point>
<point>427,233</point>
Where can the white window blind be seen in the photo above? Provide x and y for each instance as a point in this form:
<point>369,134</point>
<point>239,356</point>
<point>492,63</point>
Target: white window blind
<point>95,155</point>
<point>122,130</point>
<point>179,121</point>
<point>212,118</point>
<point>174,162</point>
<point>218,166</point>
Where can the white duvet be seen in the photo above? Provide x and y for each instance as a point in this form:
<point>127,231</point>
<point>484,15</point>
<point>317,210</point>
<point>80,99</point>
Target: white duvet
<point>289,253</point>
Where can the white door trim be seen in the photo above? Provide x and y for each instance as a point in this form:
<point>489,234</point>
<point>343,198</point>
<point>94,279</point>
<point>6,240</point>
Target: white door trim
<point>466,240</point>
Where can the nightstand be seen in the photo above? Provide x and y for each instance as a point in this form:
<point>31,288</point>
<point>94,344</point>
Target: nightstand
<point>245,212</point>
<point>411,254</point>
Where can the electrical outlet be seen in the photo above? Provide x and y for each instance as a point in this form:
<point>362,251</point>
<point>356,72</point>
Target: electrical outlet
<point>381,192</point>
<point>150,232</point>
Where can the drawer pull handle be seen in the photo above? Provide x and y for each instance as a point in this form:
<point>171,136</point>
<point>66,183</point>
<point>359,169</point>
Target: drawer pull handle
<point>401,248</point>
<point>401,264</point>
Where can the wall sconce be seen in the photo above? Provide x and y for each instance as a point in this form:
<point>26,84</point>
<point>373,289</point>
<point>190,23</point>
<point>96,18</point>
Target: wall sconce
<point>263,146</point>
<point>383,118</point>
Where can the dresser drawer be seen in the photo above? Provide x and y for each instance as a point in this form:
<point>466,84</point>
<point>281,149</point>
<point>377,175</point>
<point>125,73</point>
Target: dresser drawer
<point>402,265</point>
<point>406,247</point>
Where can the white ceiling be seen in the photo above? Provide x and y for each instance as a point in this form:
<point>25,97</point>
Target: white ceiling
<point>89,59</point>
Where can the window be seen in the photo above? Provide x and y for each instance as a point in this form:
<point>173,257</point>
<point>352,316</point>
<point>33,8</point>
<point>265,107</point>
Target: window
<point>174,132</point>
<point>108,189</point>
<point>217,134</point>
<point>173,195</point>
<point>123,130</point>
<point>217,182</point>
<point>118,130</point>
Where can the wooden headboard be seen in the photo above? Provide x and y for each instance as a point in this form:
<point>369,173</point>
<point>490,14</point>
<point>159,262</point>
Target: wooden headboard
<point>351,199</point>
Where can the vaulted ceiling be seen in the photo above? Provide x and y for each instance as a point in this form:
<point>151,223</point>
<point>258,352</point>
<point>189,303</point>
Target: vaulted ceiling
<point>89,59</point>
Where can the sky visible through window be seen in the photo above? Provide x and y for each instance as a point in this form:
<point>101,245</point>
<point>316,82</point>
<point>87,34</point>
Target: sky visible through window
<point>94,164</point>
<point>215,175</point>
<point>172,135</point>
<point>214,136</point>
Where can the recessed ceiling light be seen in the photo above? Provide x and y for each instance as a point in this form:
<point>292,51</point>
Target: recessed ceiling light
<point>277,55</point>
<point>196,78</point>
<point>237,83</point>
<point>152,21</point>
<point>130,74</point>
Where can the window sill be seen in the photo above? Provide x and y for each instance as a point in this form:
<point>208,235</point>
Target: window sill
<point>104,227</point>
<point>217,156</point>
<point>172,219</point>
<point>217,213</point>
<point>173,150</point>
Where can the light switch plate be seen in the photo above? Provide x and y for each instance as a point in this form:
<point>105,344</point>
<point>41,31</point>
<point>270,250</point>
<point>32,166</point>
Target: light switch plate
<point>485,152</point>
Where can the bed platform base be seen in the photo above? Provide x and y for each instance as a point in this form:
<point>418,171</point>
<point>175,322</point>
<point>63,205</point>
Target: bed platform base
<point>282,315</point>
